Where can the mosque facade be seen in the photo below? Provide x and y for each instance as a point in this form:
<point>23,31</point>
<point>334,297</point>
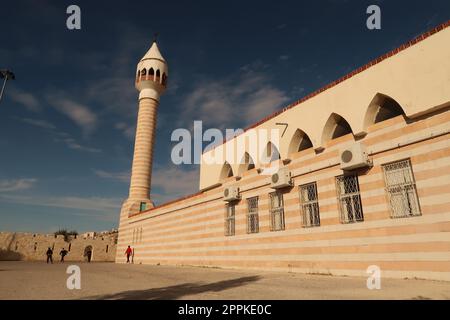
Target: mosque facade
<point>358,176</point>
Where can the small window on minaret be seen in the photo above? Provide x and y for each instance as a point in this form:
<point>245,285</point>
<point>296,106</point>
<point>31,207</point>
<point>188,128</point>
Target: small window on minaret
<point>151,72</point>
<point>143,206</point>
<point>158,73</point>
<point>144,72</point>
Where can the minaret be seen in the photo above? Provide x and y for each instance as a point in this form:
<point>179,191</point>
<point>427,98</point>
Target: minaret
<point>151,81</point>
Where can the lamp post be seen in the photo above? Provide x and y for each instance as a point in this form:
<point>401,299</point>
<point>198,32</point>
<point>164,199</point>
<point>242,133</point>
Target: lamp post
<point>6,75</point>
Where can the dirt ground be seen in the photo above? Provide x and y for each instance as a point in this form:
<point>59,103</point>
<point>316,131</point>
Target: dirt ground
<point>36,280</point>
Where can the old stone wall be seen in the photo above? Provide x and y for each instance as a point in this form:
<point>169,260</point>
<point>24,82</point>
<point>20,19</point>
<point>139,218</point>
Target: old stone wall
<point>33,247</point>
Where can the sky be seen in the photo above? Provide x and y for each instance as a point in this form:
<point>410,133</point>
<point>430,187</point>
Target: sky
<point>67,122</point>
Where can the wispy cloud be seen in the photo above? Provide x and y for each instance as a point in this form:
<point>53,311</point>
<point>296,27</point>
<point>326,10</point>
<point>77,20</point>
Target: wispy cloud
<point>127,129</point>
<point>28,100</point>
<point>163,186</point>
<point>80,114</point>
<point>173,182</point>
<point>119,176</point>
<point>39,123</point>
<point>89,204</point>
<point>244,98</point>
<point>74,145</point>
<point>59,136</point>
<point>16,184</point>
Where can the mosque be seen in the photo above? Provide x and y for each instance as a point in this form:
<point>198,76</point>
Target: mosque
<point>361,177</point>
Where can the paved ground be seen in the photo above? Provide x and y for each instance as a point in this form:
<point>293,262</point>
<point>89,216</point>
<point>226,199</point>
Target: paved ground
<point>35,280</point>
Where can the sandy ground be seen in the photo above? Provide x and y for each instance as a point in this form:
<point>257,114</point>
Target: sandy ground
<point>36,280</point>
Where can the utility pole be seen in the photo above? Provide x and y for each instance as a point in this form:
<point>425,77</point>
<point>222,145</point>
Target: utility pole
<point>6,75</point>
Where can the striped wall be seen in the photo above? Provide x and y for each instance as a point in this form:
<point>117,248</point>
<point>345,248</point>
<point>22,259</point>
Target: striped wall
<point>191,231</point>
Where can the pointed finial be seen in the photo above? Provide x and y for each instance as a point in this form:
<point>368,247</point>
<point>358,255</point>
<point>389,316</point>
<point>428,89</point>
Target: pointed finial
<point>155,36</point>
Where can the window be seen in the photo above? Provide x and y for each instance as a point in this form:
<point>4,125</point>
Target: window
<point>349,199</point>
<point>401,189</point>
<point>229,219</point>
<point>276,211</point>
<point>309,205</point>
<point>252,215</point>
<point>143,206</point>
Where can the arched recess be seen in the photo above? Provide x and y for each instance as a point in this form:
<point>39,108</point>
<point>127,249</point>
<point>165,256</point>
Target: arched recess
<point>164,79</point>
<point>158,74</point>
<point>151,74</point>
<point>226,171</point>
<point>299,142</point>
<point>247,163</point>
<point>271,153</point>
<point>143,72</point>
<point>382,107</point>
<point>335,127</point>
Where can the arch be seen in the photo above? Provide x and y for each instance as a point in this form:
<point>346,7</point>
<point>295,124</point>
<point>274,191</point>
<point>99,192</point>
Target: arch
<point>335,127</point>
<point>164,79</point>
<point>226,171</point>
<point>88,251</point>
<point>158,74</point>
<point>381,108</point>
<point>246,164</point>
<point>151,74</point>
<point>144,72</point>
<point>271,153</point>
<point>299,142</point>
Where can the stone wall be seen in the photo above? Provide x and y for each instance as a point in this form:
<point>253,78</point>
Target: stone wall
<point>33,247</point>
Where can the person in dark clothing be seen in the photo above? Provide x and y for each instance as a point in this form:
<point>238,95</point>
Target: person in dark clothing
<point>89,255</point>
<point>63,253</point>
<point>128,252</point>
<point>49,254</point>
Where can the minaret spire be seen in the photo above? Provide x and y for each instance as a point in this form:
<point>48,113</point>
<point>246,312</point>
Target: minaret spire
<point>151,81</point>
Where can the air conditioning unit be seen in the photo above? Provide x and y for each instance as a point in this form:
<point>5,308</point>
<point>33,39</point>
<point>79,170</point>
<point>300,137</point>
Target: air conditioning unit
<point>354,157</point>
<point>281,179</point>
<point>231,194</point>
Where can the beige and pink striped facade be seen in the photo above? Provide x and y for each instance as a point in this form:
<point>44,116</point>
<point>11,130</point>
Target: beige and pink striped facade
<point>191,231</point>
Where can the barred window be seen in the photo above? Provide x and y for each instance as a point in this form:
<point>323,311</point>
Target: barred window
<point>349,199</point>
<point>229,219</point>
<point>401,189</point>
<point>252,215</point>
<point>309,205</point>
<point>276,211</point>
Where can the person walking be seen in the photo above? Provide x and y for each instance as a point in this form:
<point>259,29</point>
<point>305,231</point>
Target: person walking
<point>63,253</point>
<point>49,254</point>
<point>128,252</point>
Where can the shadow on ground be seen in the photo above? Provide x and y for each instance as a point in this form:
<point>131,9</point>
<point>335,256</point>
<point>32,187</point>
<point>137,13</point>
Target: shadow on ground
<point>9,255</point>
<point>178,291</point>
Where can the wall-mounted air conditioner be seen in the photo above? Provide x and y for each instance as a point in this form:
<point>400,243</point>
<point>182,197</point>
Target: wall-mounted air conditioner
<point>354,156</point>
<point>281,179</point>
<point>231,194</point>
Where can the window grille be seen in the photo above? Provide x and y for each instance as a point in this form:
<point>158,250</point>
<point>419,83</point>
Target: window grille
<point>276,211</point>
<point>229,219</point>
<point>252,215</point>
<point>309,205</point>
<point>401,189</point>
<point>349,199</point>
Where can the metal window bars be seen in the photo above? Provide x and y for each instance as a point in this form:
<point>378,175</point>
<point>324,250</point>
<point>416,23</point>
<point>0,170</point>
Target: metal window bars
<point>229,219</point>
<point>309,205</point>
<point>349,199</point>
<point>276,211</point>
<point>252,215</point>
<point>401,189</point>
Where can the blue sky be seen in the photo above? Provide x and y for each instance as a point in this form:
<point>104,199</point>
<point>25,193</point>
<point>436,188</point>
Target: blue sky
<point>67,121</point>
